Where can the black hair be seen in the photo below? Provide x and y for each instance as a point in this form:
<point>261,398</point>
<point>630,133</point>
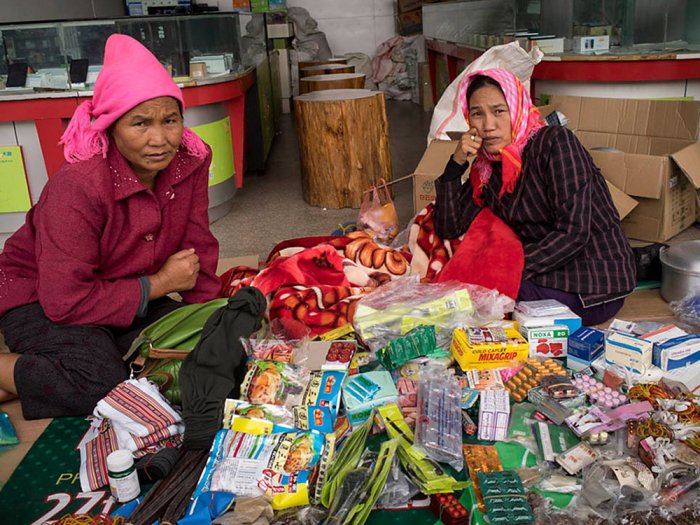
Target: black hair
<point>478,82</point>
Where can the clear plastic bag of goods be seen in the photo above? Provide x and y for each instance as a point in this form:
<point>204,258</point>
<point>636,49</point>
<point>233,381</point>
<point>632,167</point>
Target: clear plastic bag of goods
<point>404,304</point>
<point>688,308</point>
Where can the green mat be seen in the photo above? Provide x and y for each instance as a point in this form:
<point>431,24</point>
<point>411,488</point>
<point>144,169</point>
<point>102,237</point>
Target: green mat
<point>45,485</point>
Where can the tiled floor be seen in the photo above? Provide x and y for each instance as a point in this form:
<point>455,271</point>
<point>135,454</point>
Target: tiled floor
<point>270,208</point>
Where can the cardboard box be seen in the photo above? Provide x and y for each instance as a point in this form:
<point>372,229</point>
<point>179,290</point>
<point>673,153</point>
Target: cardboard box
<point>690,158</point>
<point>548,45</point>
<point>591,44</point>
<point>567,318</point>
<point>488,355</point>
<point>198,69</point>
<point>585,346</point>
<point>410,22</point>
<point>677,353</point>
<point>494,415</point>
<point>358,411</point>
<point>408,5</point>
<point>547,341</point>
<point>628,351</point>
<point>430,167</point>
<point>657,162</point>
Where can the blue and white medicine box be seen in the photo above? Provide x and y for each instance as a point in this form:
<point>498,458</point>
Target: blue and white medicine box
<point>628,351</point>
<point>678,352</point>
<point>563,316</point>
<point>585,346</point>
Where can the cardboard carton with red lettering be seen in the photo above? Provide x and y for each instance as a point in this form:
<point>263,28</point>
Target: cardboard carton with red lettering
<point>470,353</point>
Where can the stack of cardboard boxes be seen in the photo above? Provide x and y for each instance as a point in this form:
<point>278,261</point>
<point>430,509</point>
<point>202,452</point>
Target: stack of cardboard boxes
<point>647,150</point>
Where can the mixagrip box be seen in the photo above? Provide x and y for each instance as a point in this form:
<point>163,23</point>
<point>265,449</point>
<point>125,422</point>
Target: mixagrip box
<point>495,354</point>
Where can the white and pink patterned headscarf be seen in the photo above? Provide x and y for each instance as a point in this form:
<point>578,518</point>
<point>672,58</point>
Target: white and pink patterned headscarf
<point>524,123</point>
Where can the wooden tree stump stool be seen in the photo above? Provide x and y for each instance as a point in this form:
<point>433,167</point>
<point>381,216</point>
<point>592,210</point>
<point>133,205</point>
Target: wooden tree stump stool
<point>343,145</point>
<point>336,81</point>
<point>308,63</point>
<point>325,69</point>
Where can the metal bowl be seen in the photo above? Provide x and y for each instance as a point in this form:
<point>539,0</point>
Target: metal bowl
<point>680,270</point>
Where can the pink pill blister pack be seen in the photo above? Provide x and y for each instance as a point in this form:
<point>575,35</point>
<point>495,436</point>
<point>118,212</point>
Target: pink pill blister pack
<point>598,393</point>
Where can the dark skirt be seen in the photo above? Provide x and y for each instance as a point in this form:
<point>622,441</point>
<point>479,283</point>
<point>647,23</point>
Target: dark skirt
<point>64,370</point>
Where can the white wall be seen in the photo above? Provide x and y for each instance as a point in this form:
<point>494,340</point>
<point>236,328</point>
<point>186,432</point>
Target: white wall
<point>352,25</point>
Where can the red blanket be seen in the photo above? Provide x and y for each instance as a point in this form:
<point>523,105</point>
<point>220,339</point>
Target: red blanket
<point>489,254</point>
<point>318,280</point>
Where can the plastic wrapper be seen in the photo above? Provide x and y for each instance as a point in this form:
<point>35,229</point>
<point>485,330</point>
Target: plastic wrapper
<point>438,425</point>
<point>398,489</point>
<point>279,340</point>
<point>677,482</point>
<point>278,383</point>
<point>252,465</point>
<point>8,436</point>
<point>404,304</point>
<point>352,490</point>
<point>378,213</point>
<point>520,425</point>
<point>300,516</point>
<point>688,308</point>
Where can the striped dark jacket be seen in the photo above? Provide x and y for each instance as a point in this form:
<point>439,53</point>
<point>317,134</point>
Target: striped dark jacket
<point>562,211</point>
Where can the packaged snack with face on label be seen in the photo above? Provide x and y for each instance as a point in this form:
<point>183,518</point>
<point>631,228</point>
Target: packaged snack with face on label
<point>276,383</point>
<point>270,419</point>
<point>252,465</point>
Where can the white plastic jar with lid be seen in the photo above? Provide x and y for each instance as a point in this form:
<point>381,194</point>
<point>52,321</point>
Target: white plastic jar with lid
<point>123,479</point>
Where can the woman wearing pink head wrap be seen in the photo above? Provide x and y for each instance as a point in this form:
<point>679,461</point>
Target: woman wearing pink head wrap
<point>121,224</point>
<point>542,183</point>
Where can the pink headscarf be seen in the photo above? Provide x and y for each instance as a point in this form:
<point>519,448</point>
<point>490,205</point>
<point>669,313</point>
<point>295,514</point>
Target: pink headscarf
<point>524,123</point>
<point>130,75</point>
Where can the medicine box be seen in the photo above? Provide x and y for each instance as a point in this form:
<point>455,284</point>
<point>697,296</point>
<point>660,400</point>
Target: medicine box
<point>677,353</point>
<point>585,346</point>
<point>591,44</point>
<point>566,318</point>
<point>494,415</point>
<point>357,410</point>
<point>488,354</point>
<point>547,341</point>
<point>628,351</point>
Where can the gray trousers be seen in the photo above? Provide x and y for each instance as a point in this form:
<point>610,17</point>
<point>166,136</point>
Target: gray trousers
<point>64,370</point>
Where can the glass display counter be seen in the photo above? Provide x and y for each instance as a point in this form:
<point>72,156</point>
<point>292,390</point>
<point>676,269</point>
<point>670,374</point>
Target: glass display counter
<point>592,47</point>
<point>205,54</point>
<point>632,26</point>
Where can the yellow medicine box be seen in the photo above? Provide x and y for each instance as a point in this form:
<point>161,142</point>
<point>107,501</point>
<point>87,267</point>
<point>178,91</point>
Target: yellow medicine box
<point>488,354</point>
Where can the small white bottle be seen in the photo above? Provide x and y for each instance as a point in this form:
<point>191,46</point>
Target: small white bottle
<point>123,479</point>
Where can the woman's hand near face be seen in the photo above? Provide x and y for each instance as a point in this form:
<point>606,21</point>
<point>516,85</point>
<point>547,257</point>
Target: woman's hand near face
<point>468,146</point>
<point>178,274</point>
